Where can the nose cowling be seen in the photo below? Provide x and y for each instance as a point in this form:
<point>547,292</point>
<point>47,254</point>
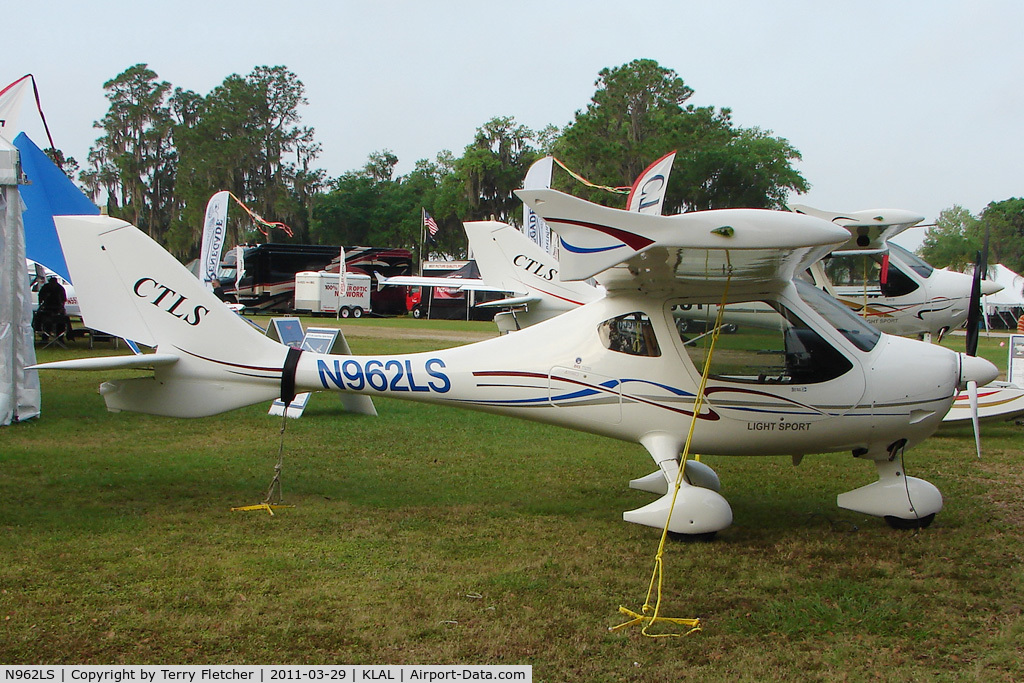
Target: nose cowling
<point>974,369</point>
<point>990,287</point>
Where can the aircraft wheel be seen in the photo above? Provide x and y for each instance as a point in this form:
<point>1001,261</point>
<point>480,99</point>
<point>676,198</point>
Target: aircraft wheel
<point>901,523</point>
<point>344,312</point>
<point>357,312</point>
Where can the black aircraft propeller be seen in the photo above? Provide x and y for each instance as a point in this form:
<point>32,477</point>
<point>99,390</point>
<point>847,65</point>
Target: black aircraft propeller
<point>974,314</point>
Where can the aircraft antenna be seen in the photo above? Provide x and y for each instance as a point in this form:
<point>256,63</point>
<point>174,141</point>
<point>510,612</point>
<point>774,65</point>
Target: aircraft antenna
<point>649,614</point>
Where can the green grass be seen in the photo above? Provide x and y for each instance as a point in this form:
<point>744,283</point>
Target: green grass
<point>429,535</point>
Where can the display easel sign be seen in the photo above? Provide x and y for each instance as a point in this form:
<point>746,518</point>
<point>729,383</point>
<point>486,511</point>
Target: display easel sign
<point>288,331</point>
<point>317,340</point>
<point>1015,367</point>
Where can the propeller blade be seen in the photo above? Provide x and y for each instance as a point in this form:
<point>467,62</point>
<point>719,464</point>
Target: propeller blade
<point>974,310</point>
<point>973,331</point>
<point>972,396</point>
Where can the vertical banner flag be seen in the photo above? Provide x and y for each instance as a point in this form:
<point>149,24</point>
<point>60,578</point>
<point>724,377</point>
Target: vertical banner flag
<point>342,283</point>
<point>213,237</point>
<point>239,266</point>
<point>648,193</point>
<point>538,177</point>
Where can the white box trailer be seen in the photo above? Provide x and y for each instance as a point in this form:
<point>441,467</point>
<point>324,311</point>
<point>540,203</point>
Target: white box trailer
<point>317,292</point>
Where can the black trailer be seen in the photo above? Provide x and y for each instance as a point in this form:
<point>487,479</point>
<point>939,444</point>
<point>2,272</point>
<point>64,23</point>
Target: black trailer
<point>268,273</point>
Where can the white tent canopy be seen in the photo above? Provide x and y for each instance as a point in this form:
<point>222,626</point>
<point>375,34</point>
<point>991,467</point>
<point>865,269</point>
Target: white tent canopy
<point>19,388</point>
<point>1004,307</point>
<point>1012,294</point>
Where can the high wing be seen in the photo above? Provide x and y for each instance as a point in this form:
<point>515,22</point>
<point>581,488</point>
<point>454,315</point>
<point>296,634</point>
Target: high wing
<point>695,253</point>
<point>463,284</point>
<point>869,229</point>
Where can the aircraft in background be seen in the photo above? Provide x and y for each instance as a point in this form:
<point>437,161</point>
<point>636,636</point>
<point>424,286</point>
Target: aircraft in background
<point>887,285</point>
<point>511,263</point>
<point>818,379</point>
<point>900,293</point>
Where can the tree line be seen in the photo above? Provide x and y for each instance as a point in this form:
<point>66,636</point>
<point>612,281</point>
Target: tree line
<point>959,236</point>
<point>165,150</point>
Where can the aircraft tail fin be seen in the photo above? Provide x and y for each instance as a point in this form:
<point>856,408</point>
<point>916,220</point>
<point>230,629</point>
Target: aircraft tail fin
<point>130,287</point>
<point>508,258</point>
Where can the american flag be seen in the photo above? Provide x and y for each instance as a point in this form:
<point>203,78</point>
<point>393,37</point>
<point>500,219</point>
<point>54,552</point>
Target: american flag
<point>430,223</point>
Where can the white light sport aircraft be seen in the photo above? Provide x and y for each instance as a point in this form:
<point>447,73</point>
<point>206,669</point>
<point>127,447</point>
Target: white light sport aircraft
<point>816,379</point>
<point>887,285</point>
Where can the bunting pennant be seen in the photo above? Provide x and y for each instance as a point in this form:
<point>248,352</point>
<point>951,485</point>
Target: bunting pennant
<point>577,176</point>
<point>264,226</point>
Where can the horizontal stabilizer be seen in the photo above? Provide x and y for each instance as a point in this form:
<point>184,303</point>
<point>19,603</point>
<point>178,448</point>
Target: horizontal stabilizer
<point>464,284</point>
<point>142,361</point>
<point>182,397</point>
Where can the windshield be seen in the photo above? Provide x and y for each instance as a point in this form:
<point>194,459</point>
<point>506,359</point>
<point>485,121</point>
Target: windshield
<point>860,334</point>
<point>922,268</point>
<point>761,342</point>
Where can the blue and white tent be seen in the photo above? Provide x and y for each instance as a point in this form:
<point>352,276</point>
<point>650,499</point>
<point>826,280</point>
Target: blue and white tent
<point>48,193</point>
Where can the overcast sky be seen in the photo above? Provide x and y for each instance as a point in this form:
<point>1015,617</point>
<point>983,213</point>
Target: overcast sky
<point>908,104</point>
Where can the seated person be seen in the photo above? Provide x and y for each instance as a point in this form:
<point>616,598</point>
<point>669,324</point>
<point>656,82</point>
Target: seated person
<point>51,317</point>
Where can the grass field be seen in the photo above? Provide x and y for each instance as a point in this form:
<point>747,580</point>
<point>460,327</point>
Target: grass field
<point>429,536</point>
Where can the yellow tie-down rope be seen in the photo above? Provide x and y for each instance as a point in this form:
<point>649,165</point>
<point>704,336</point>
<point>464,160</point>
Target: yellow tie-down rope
<point>275,497</point>
<point>649,614</point>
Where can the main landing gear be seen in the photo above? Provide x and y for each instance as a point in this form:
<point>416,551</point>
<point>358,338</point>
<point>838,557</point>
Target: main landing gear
<point>698,510</point>
<point>904,502</point>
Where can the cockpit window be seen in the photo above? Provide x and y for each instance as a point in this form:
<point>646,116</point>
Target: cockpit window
<point>860,334</point>
<point>922,268</point>
<point>759,342</point>
<point>631,333</point>
<point>870,275</point>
